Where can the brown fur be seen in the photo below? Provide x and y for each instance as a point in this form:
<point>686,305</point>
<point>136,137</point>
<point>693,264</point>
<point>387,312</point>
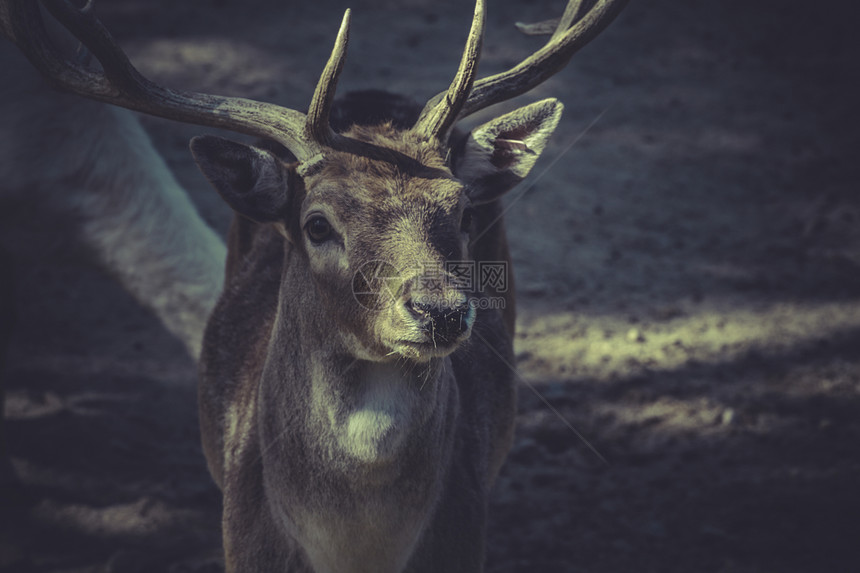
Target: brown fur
<point>335,452</point>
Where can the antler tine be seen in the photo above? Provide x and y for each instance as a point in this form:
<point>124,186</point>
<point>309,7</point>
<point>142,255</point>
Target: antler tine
<point>571,13</point>
<point>318,125</point>
<point>121,84</point>
<point>440,113</point>
<point>570,35</point>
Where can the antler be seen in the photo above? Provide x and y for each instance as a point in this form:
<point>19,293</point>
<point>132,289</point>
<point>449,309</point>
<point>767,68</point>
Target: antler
<point>439,115</point>
<point>306,136</point>
<point>570,33</point>
<point>121,84</point>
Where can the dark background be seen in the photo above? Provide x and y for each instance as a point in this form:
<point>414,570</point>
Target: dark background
<point>689,285</point>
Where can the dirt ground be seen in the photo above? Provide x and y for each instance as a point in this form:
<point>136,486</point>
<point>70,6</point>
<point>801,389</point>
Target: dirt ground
<point>688,260</point>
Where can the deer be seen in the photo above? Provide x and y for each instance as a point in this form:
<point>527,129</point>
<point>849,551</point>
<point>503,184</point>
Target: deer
<point>105,189</point>
<point>356,400</point>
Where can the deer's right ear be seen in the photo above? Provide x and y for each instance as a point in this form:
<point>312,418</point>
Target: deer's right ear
<point>251,180</point>
<point>496,156</point>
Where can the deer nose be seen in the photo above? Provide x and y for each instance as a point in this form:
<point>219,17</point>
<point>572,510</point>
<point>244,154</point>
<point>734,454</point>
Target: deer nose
<point>444,317</point>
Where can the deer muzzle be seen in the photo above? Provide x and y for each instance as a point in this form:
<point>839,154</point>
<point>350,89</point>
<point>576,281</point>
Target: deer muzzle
<point>442,313</point>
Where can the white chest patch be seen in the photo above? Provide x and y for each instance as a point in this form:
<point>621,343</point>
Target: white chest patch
<point>380,418</point>
<point>366,430</point>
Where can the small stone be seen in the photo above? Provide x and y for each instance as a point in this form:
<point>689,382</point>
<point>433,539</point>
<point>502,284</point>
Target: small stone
<point>634,335</point>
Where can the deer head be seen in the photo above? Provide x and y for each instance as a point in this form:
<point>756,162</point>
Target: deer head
<point>379,212</point>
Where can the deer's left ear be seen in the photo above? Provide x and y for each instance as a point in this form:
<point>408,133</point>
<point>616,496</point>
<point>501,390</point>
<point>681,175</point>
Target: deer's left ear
<point>251,180</point>
<point>499,154</point>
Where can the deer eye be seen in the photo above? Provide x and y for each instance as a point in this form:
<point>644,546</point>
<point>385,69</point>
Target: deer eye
<point>466,220</point>
<point>318,229</point>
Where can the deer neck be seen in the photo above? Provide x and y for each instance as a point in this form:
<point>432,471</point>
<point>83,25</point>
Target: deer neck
<point>354,452</point>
